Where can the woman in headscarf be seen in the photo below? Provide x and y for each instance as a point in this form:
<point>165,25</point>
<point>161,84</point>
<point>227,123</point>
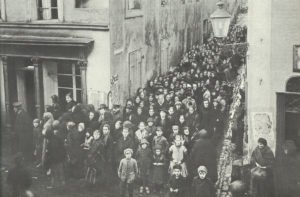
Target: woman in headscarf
<point>262,183</point>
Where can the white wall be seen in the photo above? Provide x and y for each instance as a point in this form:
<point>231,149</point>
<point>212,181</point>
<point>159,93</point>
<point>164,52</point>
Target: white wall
<point>258,72</point>
<point>98,70</point>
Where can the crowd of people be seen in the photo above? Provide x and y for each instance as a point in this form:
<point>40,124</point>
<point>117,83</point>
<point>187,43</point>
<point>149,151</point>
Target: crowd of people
<point>165,136</point>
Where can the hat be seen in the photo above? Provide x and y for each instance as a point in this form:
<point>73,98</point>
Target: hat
<point>178,103</point>
<point>36,120</point>
<point>150,119</point>
<point>103,106</point>
<point>128,150</point>
<point>202,169</point>
<point>127,124</point>
<point>144,141</point>
<point>17,104</point>
<point>116,106</point>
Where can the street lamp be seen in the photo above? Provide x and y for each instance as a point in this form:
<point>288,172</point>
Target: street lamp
<point>220,20</point>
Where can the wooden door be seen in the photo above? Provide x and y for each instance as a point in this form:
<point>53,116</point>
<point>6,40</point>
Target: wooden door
<point>135,71</point>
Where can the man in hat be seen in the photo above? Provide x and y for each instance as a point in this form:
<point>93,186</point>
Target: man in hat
<point>202,186</point>
<point>163,122</point>
<point>22,132</point>
<point>125,141</point>
<point>104,115</point>
<point>117,113</point>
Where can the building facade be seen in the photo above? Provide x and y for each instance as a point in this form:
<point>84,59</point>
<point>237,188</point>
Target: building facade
<point>99,50</point>
<point>273,82</point>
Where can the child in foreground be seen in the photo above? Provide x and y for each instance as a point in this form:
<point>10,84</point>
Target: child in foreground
<point>202,186</point>
<point>177,183</point>
<point>127,172</point>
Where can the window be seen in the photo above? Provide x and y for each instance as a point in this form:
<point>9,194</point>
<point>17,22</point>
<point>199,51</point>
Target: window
<point>69,80</point>
<point>49,9</point>
<point>2,10</point>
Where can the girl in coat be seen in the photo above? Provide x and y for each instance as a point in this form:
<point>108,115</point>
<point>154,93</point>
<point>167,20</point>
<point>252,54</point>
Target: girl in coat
<point>158,169</point>
<point>144,159</point>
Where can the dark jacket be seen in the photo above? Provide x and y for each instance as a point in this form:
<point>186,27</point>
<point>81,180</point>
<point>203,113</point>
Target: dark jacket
<point>19,179</point>
<point>56,150</point>
<point>177,183</point>
<point>203,188</point>
<point>24,132</point>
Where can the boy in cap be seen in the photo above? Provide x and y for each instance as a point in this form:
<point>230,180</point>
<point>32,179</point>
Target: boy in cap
<point>127,172</point>
<point>144,159</point>
<point>177,183</point>
<point>202,186</point>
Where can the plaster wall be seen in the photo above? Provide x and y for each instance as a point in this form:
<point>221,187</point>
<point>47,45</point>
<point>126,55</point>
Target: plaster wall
<point>163,33</point>
<point>285,34</point>
<point>258,70</point>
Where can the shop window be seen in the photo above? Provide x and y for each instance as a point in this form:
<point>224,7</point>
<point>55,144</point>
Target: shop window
<point>49,9</point>
<point>69,80</point>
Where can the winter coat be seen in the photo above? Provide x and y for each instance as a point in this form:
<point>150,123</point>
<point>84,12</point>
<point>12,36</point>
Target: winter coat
<point>144,159</point>
<point>128,170</point>
<point>23,132</point>
<point>203,188</point>
<point>177,184</point>
<point>159,172</point>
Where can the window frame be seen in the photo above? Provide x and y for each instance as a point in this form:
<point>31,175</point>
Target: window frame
<point>49,18</point>
<point>2,10</point>
<point>74,88</point>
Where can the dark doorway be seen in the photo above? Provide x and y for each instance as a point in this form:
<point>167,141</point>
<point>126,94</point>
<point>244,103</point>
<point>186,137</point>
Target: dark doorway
<point>288,142</point>
<point>30,92</point>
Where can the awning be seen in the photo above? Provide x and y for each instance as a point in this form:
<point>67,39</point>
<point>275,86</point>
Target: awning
<point>45,47</point>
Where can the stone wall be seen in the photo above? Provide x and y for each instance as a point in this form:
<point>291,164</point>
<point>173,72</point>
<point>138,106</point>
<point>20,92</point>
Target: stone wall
<point>161,33</point>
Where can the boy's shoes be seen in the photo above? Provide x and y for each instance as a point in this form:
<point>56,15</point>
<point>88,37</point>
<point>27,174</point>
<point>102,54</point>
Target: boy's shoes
<point>141,190</point>
<point>147,190</point>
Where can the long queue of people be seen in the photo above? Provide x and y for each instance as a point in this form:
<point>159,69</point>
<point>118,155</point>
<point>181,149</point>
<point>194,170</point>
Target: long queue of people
<point>165,135</point>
